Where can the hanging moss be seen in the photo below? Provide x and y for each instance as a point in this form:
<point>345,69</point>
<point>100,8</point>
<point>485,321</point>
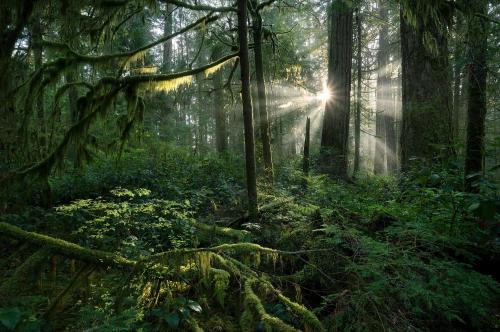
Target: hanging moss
<point>166,85</point>
<point>220,284</point>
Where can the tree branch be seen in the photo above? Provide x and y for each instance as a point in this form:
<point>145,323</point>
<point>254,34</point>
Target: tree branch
<point>66,248</point>
<point>200,7</point>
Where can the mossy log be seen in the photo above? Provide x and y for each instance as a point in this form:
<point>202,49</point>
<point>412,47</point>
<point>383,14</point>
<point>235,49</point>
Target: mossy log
<point>66,248</point>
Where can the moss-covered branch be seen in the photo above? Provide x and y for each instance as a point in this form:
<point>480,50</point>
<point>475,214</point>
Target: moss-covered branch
<point>92,59</point>
<point>201,7</point>
<point>167,77</point>
<point>244,247</point>
<point>66,248</point>
<point>227,232</point>
<point>253,303</point>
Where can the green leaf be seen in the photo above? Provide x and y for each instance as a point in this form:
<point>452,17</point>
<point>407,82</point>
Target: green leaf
<point>172,320</point>
<point>10,317</point>
<point>194,306</point>
<point>474,206</point>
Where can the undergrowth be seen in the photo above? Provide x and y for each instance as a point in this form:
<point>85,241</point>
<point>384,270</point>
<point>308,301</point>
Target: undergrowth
<point>378,254</point>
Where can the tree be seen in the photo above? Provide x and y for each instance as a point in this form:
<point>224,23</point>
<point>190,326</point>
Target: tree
<point>477,43</point>
<point>219,111</point>
<point>383,92</point>
<point>335,134</point>
<point>357,118</point>
<point>261,93</point>
<point>247,109</point>
<point>426,93</point>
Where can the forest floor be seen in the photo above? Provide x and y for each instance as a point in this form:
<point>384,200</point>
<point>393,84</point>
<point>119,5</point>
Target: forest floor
<point>377,254</point>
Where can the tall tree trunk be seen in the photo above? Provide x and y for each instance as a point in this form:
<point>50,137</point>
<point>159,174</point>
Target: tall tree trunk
<point>426,122</point>
<point>36,39</point>
<point>357,118</point>
<point>261,96</point>
<point>457,78</point>
<point>166,67</point>
<point>167,46</point>
<point>335,134</point>
<point>383,92</point>
<point>219,111</point>
<point>71,73</point>
<point>477,43</point>
<point>390,131</point>
<point>305,165</point>
<point>247,109</point>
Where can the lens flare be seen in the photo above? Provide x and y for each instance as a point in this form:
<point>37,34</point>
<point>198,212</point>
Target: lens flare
<point>325,94</point>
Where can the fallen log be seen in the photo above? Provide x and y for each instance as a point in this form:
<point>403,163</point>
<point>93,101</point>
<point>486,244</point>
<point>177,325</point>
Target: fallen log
<point>66,248</point>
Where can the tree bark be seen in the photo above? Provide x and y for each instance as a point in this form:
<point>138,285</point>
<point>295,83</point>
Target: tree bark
<point>305,166</point>
<point>426,116</point>
<point>477,42</point>
<point>247,109</point>
<point>261,96</point>
<point>390,131</point>
<point>357,118</point>
<point>457,79</point>
<point>219,111</point>
<point>36,39</point>
<point>167,46</point>
<point>335,134</point>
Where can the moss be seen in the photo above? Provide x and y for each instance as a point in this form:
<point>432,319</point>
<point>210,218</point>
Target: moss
<point>308,319</point>
<point>253,302</point>
<point>247,321</point>
<point>219,322</point>
<point>66,248</point>
<point>193,324</point>
<point>222,231</point>
<point>220,283</point>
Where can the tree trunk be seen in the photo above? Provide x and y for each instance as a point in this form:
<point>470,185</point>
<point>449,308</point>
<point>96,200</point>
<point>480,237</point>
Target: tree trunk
<point>305,166</point>
<point>167,46</point>
<point>335,134</point>
<point>247,109</point>
<point>36,39</point>
<point>70,75</point>
<point>383,93</point>
<point>426,122</point>
<point>261,97</point>
<point>219,111</point>
<point>390,131</point>
<point>477,42</point>
<point>357,118</point>
<point>457,80</point>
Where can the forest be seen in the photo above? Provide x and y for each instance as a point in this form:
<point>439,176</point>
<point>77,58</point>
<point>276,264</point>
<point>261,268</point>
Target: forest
<point>249,165</point>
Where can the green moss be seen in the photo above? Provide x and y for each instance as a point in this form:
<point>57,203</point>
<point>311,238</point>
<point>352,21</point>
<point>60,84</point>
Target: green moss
<point>308,319</point>
<point>66,248</point>
<point>253,302</point>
